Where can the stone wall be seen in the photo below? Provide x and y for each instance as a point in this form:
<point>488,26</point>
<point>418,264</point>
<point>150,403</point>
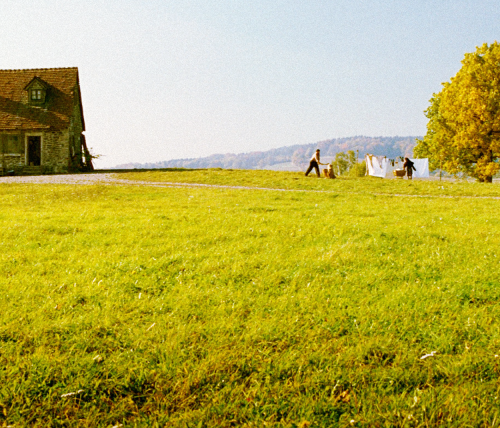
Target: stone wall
<point>11,161</point>
<point>76,129</point>
<point>55,151</point>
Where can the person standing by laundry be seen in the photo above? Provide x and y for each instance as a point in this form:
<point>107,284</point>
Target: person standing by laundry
<point>315,163</point>
<point>409,166</point>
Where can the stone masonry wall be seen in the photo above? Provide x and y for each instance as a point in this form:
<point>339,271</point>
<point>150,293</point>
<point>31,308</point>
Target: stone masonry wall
<point>55,150</point>
<point>76,128</point>
<point>11,162</point>
<point>55,155</point>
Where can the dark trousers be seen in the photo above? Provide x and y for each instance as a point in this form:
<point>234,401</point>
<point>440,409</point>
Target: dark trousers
<point>313,164</point>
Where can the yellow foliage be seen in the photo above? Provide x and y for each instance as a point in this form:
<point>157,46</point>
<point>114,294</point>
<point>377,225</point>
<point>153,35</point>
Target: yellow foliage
<point>463,133</point>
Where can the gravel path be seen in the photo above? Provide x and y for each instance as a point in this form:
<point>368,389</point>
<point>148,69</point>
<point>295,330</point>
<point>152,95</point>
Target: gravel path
<point>109,179</point>
<point>61,179</point>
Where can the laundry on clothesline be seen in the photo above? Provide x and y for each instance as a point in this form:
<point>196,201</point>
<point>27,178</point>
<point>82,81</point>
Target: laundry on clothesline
<point>380,166</point>
<point>376,166</point>
<point>422,168</point>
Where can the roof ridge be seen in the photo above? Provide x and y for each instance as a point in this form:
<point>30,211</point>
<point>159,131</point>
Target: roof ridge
<point>40,69</point>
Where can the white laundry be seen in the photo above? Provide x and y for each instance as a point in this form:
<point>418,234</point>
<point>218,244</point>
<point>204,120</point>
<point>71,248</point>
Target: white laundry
<point>376,165</point>
<point>422,168</point>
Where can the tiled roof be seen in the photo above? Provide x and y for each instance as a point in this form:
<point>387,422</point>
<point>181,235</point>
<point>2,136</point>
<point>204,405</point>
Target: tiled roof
<point>17,113</point>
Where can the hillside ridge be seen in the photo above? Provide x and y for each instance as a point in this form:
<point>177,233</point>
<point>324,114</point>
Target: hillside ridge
<point>290,158</point>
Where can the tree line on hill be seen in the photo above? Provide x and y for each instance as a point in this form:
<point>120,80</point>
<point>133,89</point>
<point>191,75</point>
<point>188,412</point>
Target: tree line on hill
<point>292,158</point>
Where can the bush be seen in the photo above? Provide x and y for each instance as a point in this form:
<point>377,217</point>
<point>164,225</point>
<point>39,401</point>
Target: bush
<point>347,164</point>
<point>358,170</point>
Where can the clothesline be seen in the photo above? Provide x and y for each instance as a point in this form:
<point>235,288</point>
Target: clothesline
<point>377,166</point>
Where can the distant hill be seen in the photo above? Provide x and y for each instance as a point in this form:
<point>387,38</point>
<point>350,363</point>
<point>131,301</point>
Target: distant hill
<point>291,158</point>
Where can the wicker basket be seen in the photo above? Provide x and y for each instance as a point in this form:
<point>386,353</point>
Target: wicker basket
<point>399,173</point>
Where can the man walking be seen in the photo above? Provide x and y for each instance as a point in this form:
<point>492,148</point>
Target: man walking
<point>315,163</point>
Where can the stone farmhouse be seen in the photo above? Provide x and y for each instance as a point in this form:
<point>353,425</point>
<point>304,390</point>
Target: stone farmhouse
<point>41,122</point>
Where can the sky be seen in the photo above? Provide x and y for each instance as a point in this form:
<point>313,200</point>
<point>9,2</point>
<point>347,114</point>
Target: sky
<point>170,79</point>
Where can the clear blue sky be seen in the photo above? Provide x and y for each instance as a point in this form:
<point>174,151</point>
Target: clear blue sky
<point>166,79</point>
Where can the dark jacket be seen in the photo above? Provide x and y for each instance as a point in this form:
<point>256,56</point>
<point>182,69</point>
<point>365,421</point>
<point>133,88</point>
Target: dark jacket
<point>409,166</point>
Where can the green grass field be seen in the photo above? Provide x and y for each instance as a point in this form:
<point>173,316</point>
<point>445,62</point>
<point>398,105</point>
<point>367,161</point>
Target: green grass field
<point>209,307</point>
<point>297,181</point>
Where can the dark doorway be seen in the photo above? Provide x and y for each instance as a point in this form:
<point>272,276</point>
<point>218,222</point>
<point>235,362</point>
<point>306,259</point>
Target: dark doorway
<point>34,151</point>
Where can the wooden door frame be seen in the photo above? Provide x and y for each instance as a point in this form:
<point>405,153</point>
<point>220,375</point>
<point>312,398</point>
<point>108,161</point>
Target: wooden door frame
<point>26,147</point>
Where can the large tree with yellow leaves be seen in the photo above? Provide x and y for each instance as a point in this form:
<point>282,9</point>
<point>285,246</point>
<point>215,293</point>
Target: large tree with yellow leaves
<point>463,133</point>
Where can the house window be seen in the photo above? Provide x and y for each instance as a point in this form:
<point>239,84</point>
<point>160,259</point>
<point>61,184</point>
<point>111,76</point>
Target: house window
<point>36,95</point>
<point>37,91</point>
<point>13,144</point>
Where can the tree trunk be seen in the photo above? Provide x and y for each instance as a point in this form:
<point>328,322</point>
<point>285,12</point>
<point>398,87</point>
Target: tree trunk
<point>487,179</point>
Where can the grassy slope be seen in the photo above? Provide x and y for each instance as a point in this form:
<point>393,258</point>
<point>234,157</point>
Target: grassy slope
<point>233,307</point>
<point>296,180</point>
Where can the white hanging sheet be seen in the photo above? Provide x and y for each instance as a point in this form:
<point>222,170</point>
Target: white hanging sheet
<point>376,165</point>
<point>422,168</point>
